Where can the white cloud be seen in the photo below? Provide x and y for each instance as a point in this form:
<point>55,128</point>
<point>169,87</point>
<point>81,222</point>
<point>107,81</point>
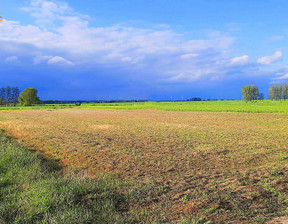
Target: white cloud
<point>11,59</point>
<point>240,60</point>
<point>283,76</point>
<point>189,56</point>
<point>40,59</point>
<point>57,60</point>
<point>267,60</point>
<point>187,77</point>
<point>52,60</point>
<point>47,12</point>
<point>64,37</point>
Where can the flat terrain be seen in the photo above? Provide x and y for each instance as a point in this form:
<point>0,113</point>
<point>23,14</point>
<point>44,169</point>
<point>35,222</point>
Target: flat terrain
<point>218,165</point>
<point>261,106</point>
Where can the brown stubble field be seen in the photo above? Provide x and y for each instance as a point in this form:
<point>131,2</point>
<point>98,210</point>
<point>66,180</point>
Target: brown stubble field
<point>221,166</point>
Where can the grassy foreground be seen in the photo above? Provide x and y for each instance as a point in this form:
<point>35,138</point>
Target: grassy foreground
<point>33,191</point>
<point>167,166</point>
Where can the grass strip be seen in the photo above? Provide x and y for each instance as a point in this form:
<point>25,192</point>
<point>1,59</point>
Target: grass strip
<point>32,190</point>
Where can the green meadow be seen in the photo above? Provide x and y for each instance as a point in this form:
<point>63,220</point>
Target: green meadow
<point>261,106</point>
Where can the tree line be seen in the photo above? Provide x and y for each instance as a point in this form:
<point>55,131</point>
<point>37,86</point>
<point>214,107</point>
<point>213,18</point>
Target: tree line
<point>276,92</point>
<point>9,95</point>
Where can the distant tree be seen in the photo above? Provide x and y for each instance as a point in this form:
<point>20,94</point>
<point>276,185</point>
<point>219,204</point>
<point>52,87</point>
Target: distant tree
<point>2,96</point>
<point>255,92</point>
<point>285,91</point>
<point>271,93</point>
<point>194,99</point>
<point>29,97</point>
<point>250,92</point>
<point>278,92</point>
<point>15,95</point>
<point>261,96</point>
<point>8,95</point>
<point>246,92</point>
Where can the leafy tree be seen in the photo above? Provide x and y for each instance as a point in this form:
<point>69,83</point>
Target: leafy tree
<point>278,92</point>
<point>285,91</point>
<point>29,97</point>
<point>15,95</point>
<point>8,94</point>
<point>246,92</point>
<point>261,96</point>
<point>255,92</point>
<point>250,92</point>
<point>2,95</point>
<point>271,93</point>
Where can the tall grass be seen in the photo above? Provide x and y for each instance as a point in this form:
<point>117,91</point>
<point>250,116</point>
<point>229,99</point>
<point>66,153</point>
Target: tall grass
<point>33,191</point>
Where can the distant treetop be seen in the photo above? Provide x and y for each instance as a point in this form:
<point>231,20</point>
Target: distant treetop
<point>29,97</point>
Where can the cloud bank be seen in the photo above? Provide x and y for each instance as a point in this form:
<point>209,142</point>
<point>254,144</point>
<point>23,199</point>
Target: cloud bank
<point>63,38</point>
<point>267,60</point>
<point>67,38</point>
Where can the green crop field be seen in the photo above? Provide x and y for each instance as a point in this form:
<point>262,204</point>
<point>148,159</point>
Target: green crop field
<point>261,106</point>
<point>264,106</point>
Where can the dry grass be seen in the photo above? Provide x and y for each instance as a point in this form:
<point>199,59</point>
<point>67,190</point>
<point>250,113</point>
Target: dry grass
<point>224,166</point>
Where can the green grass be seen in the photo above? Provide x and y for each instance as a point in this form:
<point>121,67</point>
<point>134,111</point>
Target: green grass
<point>33,191</point>
<point>262,106</point>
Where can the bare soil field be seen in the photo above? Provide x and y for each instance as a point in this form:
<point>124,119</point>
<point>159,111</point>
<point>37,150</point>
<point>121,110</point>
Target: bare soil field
<point>225,167</point>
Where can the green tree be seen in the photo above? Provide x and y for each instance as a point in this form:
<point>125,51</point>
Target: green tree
<point>29,97</point>
<point>255,92</point>
<point>285,91</point>
<point>2,95</point>
<point>261,96</point>
<point>250,92</point>
<point>8,95</point>
<point>278,92</point>
<point>15,95</point>
<point>271,93</point>
<point>246,92</point>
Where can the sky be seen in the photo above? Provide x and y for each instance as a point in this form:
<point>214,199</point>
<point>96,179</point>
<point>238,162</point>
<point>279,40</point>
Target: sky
<point>143,49</point>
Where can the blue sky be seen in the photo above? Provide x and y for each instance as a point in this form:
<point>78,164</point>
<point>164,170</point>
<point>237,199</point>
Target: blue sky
<point>143,49</point>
